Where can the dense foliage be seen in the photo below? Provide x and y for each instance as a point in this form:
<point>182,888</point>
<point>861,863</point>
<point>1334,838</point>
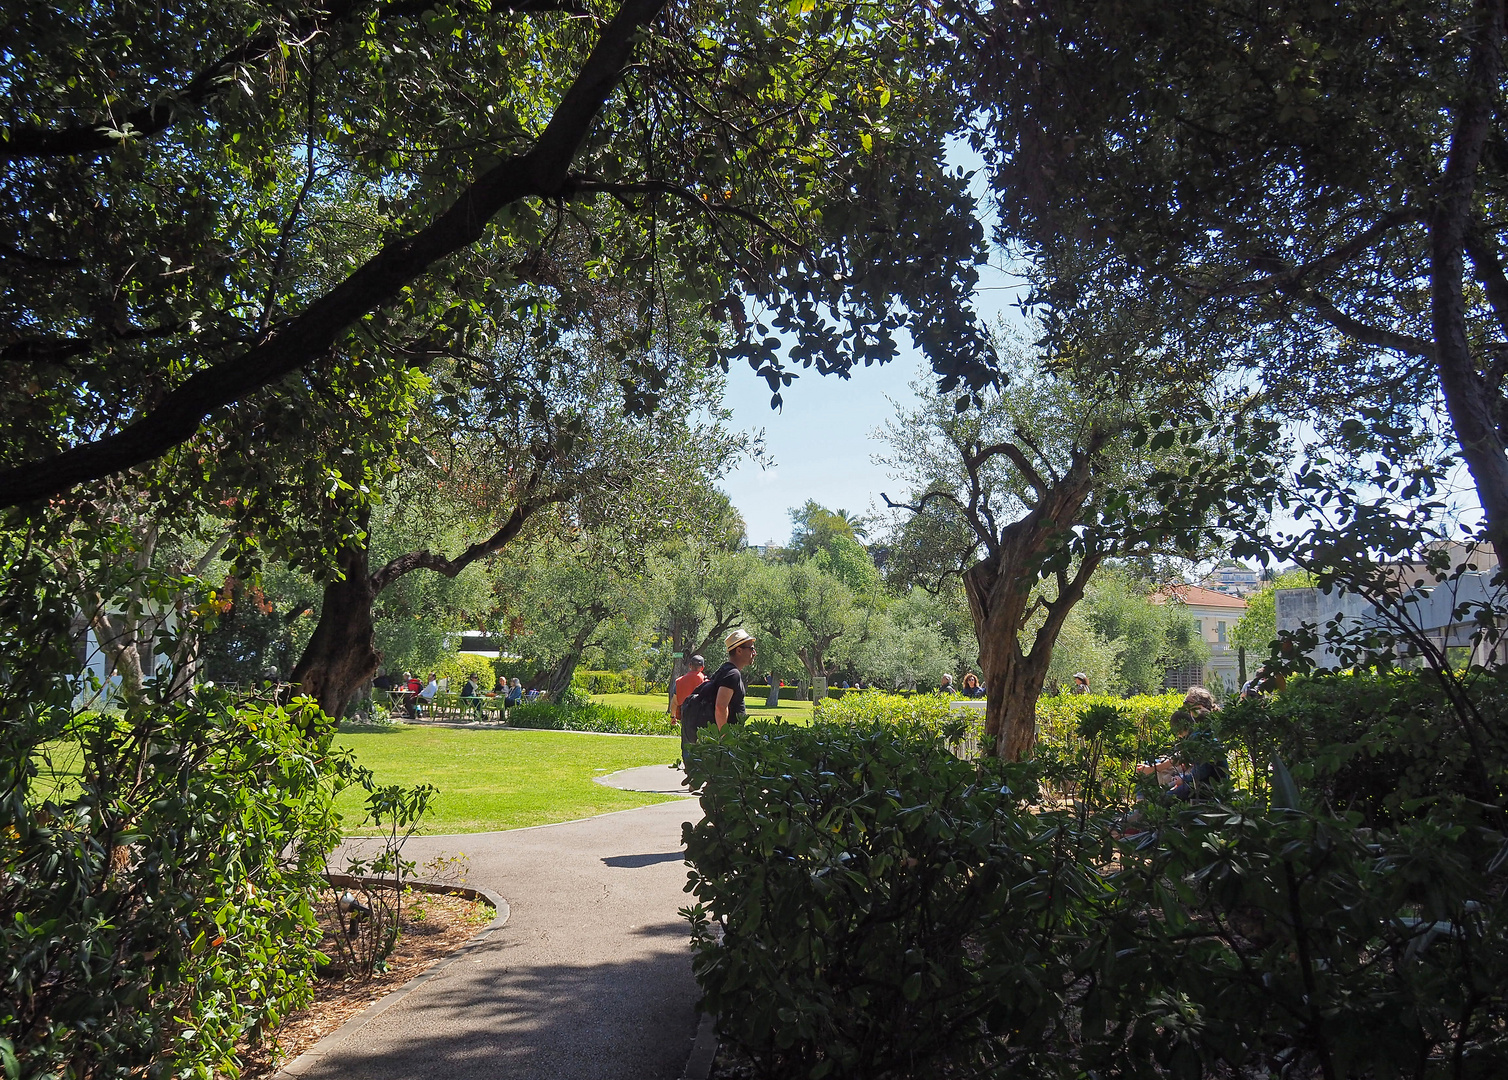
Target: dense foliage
<point>160,854</point>
<point>868,905</point>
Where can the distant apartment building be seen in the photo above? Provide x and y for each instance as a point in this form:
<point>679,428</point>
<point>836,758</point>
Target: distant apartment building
<point>1214,614</point>
<point>1233,580</point>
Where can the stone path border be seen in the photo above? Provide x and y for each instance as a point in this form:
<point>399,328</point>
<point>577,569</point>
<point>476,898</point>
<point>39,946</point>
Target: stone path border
<point>501,911</point>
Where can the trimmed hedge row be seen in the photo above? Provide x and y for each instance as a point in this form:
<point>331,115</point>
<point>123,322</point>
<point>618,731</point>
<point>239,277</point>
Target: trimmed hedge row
<point>615,682</point>
<point>611,719</point>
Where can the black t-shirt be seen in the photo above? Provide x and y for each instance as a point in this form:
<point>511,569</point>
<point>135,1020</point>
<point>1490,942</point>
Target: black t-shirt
<point>705,696</point>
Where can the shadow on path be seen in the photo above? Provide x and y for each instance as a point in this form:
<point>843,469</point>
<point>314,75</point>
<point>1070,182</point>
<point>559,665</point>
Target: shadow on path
<point>542,1022</point>
<point>635,861</point>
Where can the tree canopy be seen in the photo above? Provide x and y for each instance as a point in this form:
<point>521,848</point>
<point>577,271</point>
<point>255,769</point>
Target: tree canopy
<point>1314,191</point>
<point>217,220</point>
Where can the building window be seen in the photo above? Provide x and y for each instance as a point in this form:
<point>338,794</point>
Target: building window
<point>1220,632</point>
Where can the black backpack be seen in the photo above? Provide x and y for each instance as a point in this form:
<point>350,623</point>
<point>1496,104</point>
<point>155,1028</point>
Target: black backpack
<point>700,707</point>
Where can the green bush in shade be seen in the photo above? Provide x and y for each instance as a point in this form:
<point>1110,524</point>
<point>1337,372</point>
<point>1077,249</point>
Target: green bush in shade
<point>1383,745</point>
<point>868,905</point>
<point>851,869</point>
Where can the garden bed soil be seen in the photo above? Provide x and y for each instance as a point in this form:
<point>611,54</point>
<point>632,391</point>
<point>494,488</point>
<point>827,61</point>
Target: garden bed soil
<point>433,927</point>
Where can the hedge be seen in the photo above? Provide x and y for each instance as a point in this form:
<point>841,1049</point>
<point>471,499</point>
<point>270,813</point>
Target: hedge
<point>613,719</point>
<point>759,694</point>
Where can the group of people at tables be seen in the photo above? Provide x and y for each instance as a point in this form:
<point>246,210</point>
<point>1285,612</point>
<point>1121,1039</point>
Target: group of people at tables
<point>415,699</point>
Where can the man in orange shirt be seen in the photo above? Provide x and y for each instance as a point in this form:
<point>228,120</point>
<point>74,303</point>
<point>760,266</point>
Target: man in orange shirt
<point>685,684</point>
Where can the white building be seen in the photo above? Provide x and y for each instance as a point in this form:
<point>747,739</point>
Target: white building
<point>1215,615</point>
<point>1445,613</point>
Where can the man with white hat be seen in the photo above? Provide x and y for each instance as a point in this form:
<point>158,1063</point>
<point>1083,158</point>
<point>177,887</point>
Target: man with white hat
<point>720,699</point>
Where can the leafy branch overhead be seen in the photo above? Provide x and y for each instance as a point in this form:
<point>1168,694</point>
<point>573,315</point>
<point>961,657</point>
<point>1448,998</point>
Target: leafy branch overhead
<point>214,217</point>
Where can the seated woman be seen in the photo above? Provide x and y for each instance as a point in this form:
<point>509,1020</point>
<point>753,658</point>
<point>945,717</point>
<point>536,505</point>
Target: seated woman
<point>1198,759</point>
<point>515,694</point>
<point>971,687</point>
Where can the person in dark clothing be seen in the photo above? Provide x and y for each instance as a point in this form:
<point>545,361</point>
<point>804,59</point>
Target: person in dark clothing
<point>719,700</point>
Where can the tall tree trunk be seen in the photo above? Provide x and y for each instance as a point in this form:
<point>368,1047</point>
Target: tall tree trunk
<point>1468,398</point>
<point>999,589</point>
<point>342,655</point>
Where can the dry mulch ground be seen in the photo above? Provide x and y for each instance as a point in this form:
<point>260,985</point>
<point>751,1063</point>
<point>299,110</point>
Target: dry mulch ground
<point>433,927</point>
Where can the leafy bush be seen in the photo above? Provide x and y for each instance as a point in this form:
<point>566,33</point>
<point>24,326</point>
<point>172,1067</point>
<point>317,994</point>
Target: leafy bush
<point>613,719</point>
<point>887,910</point>
<point>159,857</point>
<point>1069,754</point>
<point>1379,744</point>
<point>458,666</point>
<point>160,864</point>
<point>1295,943</point>
<point>853,870</point>
<point>612,682</point>
<point>930,711</point>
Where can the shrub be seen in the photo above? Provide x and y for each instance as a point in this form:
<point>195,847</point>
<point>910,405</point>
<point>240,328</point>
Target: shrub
<point>459,666</point>
<point>614,719</point>
<point>159,859</point>
<point>159,913</point>
<point>612,682</point>
<point>887,910</point>
<point>1068,754</point>
<point>1374,743</point>
<point>787,693</point>
<point>854,869</point>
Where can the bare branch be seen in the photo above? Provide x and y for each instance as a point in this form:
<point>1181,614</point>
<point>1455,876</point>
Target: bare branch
<point>1017,458</point>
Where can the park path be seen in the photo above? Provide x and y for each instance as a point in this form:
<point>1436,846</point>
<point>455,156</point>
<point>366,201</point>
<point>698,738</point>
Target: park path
<point>590,978</point>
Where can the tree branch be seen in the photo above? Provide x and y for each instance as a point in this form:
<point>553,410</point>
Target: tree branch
<point>1017,458</point>
<point>303,339</point>
<point>1489,267</point>
<point>56,349</point>
<point>1281,276</point>
<point>1366,333</point>
<point>429,560</point>
<point>586,185</point>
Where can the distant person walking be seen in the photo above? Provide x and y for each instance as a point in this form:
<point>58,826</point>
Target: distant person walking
<point>694,677</point>
<point>946,686</point>
<point>971,687</point>
<point>719,700</point>
<point>1080,683</point>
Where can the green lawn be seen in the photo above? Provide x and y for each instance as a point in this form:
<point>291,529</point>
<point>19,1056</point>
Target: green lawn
<point>797,712</point>
<point>505,779</point>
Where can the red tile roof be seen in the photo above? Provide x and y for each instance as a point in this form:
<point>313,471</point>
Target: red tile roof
<point>1197,596</point>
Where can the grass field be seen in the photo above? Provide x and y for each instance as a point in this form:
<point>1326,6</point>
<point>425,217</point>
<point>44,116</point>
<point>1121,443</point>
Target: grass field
<point>797,712</point>
<point>505,779</point>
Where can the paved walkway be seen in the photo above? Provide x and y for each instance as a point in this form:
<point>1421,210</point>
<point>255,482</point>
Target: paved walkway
<point>591,978</point>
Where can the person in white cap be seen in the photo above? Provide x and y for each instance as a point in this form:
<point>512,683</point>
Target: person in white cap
<point>1080,683</point>
<point>720,699</point>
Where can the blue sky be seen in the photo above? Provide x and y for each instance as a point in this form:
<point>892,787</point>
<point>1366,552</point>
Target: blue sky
<point>820,441</point>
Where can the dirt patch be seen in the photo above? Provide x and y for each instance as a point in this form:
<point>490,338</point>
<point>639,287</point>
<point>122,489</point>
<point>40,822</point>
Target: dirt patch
<point>433,927</point>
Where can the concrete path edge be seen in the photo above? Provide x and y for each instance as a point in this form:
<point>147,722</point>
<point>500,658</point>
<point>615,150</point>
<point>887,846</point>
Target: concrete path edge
<point>703,1050</point>
<point>311,1056</point>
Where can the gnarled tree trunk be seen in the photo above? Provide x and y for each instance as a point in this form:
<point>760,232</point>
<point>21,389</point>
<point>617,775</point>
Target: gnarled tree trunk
<point>999,589</point>
<point>342,657</point>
